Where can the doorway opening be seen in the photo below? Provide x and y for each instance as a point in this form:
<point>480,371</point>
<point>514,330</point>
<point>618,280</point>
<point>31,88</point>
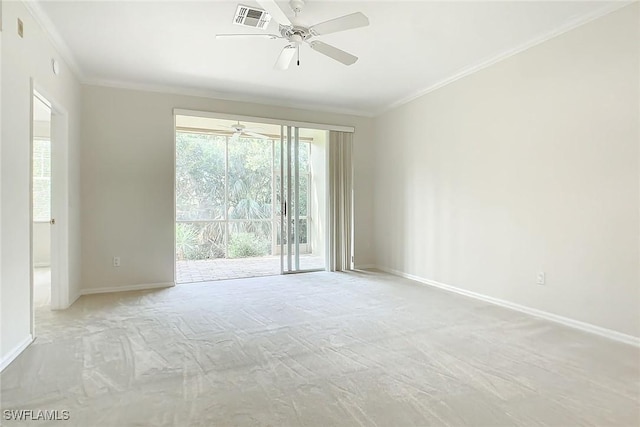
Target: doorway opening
<point>41,202</point>
<point>250,199</point>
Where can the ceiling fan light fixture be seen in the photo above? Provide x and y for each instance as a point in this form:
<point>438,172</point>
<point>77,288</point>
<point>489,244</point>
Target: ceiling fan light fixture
<point>296,34</point>
<point>240,130</point>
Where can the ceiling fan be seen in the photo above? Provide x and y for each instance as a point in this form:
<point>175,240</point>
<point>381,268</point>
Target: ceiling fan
<point>295,35</point>
<point>241,130</point>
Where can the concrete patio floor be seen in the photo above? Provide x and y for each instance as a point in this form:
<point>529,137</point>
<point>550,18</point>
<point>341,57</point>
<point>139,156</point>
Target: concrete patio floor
<point>234,268</point>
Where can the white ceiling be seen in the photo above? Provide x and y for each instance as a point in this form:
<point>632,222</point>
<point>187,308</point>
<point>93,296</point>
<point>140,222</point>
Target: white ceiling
<point>410,46</point>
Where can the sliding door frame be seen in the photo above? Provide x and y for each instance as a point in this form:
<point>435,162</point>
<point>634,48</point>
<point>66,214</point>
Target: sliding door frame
<point>290,204</point>
<point>266,120</point>
<point>283,124</point>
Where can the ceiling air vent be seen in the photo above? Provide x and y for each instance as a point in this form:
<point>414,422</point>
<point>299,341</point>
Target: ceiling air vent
<point>251,17</point>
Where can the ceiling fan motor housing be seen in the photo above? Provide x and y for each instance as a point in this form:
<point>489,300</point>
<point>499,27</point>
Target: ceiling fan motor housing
<point>295,34</point>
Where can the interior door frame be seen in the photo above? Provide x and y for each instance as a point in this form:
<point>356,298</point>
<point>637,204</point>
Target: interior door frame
<point>59,137</point>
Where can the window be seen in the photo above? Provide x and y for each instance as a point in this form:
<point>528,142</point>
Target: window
<point>227,196</point>
<point>41,180</point>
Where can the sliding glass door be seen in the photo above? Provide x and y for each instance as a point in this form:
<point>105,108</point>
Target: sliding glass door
<point>300,236</point>
<point>225,217</point>
<point>248,203</point>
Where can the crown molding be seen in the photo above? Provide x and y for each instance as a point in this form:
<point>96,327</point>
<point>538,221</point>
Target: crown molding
<point>223,96</point>
<point>487,62</point>
<point>67,55</point>
<point>42,19</point>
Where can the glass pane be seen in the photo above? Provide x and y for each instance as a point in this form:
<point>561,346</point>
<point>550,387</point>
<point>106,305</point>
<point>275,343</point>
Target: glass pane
<point>302,231</point>
<point>279,199</point>
<point>277,147</point>
<point>279,234</point>
<point>303,196</point>
<point>250,239</point>
<point>303,156</point>
<point>199,240</point>
<point>200,176</point>
<point>250,178</point>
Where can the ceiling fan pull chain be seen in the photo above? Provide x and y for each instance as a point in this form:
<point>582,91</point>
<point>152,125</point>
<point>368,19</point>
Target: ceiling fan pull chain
<point>296,33</point>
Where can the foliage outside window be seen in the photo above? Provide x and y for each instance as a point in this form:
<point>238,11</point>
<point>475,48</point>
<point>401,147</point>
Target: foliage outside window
<point>224,195</point>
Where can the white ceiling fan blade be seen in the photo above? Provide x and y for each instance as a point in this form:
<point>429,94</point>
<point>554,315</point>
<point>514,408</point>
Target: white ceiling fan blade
<point>255,135</point>
<point>347,22</point>
<point>285,58</point>
<point>248,36</point>
<point>333,52</point>
<point>274,10</point>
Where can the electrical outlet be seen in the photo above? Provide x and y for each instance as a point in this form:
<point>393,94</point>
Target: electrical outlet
<point>540,278</point>
<point>116,261</point>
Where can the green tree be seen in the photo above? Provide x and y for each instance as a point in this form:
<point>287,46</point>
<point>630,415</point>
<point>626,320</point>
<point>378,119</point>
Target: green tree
<point>206,165</point>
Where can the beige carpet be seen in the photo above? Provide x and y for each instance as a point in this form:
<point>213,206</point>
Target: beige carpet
<point>319,349</point>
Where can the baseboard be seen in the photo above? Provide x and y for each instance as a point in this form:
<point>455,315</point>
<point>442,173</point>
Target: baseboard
<point>365,267</point>
<point>572,323</point>
<point>72,299</point>
<point>141,287</point>
<point>6,361</point>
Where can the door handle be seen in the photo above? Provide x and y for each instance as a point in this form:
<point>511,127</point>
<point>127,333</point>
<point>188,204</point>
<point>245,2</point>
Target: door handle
<point>285,208</point>
<point>52,221</point>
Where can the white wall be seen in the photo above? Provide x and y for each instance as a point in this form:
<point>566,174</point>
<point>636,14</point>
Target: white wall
<point>24,59</point>
<point>127,180</point>
<point>529,165</point>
